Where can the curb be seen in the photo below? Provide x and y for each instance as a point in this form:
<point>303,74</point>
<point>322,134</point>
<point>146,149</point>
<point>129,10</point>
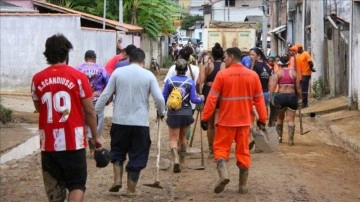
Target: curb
<point>347,142</point>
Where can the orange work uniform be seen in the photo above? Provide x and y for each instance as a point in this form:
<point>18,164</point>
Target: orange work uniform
<point>302,62</point>
<point>238,89</point>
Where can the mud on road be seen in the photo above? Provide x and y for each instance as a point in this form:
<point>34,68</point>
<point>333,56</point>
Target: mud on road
<point>315,169</point>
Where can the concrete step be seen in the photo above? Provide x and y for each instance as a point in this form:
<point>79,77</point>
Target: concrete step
<point>326,106</point>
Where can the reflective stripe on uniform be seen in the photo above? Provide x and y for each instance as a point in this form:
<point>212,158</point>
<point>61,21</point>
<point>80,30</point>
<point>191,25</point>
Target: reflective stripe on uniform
<point>214,93</point>
<point>237,98</point>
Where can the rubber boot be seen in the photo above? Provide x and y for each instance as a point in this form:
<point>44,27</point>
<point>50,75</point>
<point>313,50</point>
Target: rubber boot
<point>132,179</point>
<point>182,154</point>
<point>243,177</point>
<point>118,173</point>
<point>175,159</point>
<point>223,175</point>
<point>291,135</point>
<point>279,130</point>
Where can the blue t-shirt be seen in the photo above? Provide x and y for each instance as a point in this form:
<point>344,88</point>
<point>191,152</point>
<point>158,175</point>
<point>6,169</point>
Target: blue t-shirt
<point>246,61</point>
<point>122,63</point>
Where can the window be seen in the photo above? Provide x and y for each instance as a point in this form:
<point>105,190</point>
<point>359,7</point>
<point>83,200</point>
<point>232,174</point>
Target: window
<point>230,3</point>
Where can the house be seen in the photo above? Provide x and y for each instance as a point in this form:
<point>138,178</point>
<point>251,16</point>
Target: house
<point>23,32</point>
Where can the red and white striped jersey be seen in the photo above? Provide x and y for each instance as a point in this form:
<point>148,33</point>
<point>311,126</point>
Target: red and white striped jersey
<point>59,90</point>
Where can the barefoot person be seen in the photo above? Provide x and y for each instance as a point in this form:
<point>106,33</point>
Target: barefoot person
<point>287,98</point>
<point>63,97</point>
<point>240,89</point>
<point>130,133</point>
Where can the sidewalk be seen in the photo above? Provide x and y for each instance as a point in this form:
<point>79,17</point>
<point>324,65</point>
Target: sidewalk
<point>344,124</point>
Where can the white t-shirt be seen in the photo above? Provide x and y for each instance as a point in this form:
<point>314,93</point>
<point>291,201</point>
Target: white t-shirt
<point>195,70</point>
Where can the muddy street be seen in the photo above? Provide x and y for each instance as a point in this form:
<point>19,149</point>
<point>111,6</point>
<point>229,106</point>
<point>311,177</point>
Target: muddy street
<point>315,169</point>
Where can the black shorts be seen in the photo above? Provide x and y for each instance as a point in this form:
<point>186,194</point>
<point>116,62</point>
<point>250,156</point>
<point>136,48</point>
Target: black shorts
<point>68,168</point>
<point>286,100</point>
<point>179,121</point>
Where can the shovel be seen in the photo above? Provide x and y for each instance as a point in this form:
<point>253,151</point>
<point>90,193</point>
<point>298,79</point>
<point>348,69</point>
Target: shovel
<point>156,184</point>
<point>202,167</point>
<point>193,132</point>
<point>301,126</point>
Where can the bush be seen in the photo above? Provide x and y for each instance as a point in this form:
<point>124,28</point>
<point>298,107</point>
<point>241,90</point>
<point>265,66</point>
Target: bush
<point>318,88</point>
<point>167,62</point>
<point>5,114</point>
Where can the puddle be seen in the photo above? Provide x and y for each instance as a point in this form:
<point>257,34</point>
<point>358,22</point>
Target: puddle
<point>28,147</point>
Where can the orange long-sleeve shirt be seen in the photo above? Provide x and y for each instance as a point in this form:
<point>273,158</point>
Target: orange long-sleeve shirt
<point>238,88</point>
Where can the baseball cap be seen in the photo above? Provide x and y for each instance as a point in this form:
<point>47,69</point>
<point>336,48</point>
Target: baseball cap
<point>102,157</point>
<point>294,48</point>
<point>299,45</point>
<point>90,54</point>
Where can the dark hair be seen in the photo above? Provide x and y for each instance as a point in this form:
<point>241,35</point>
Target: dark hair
<point>236,52</point>
<point>57,48</point>
<point>129,48</point>
<point>137,55</point>
<point>217,52</point>
<point>181,66</point>
<point>258,51</point>
<point>284,60</point>
<point>186,52</point>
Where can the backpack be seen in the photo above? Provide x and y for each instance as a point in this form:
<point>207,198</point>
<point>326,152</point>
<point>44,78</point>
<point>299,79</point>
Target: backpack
<point>175,98</point>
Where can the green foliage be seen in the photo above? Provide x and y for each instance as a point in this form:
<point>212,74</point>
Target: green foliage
<point>155,16</point>
<point>318,88</point>
<point>190,20</point>
<point>5,114</point>
<point>167,61</point>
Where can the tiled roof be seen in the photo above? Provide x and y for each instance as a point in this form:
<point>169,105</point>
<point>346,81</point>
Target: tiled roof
<point>112,23</point>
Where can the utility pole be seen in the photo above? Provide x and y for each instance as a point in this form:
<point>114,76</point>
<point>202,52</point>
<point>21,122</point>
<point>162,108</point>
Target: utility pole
<point>274,23</point>
<point>317,37</point>
<point>264,27</point>
<point>104,15</point>
<point>121,11</point>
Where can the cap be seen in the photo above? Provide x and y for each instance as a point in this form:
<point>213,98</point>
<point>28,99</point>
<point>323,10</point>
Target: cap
<point>181,65</point>
<point>299,45</point>
<point>294,48</point>
<point>90,54</point>
<point>102,157</point>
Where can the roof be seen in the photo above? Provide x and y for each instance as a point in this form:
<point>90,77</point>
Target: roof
<point>279,29</point>
<point>6,7</point>
<point>128,28</point>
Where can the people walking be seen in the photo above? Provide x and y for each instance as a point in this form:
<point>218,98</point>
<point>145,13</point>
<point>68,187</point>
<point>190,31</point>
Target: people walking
<point>179,119</point>
<point>98,79</point>
<point>63,97</point>
<point>287,99</point>
<point>240,89</point>
<point>306,66</point>
<point>192,72</point>
<point>129,131</point>
<point>274,67</point>
<point>207,77</point>
<point>259,65</point>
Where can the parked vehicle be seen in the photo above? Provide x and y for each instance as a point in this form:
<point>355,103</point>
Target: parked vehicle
<point>183,40</point>
<point>231,34</point>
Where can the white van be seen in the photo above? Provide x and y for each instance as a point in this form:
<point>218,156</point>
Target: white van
<point>183,40</point>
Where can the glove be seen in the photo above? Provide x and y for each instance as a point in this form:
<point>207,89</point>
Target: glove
<point>313,69</point>
<point>261,125</point>
<point>199,107</point>
<point>158,115</point>
<point>204,125</point>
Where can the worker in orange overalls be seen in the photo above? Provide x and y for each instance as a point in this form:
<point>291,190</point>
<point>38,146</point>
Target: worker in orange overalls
<point>238,89</point>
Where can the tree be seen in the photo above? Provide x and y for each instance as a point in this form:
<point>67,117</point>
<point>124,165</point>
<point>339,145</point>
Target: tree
<point>155,16</point>
<point>190,20</point>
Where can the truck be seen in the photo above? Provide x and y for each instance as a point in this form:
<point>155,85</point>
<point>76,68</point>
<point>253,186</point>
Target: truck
<point>230,34</point>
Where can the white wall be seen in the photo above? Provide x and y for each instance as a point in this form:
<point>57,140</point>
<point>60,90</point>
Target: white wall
<point>354,73</point>
<point>23,43</point>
